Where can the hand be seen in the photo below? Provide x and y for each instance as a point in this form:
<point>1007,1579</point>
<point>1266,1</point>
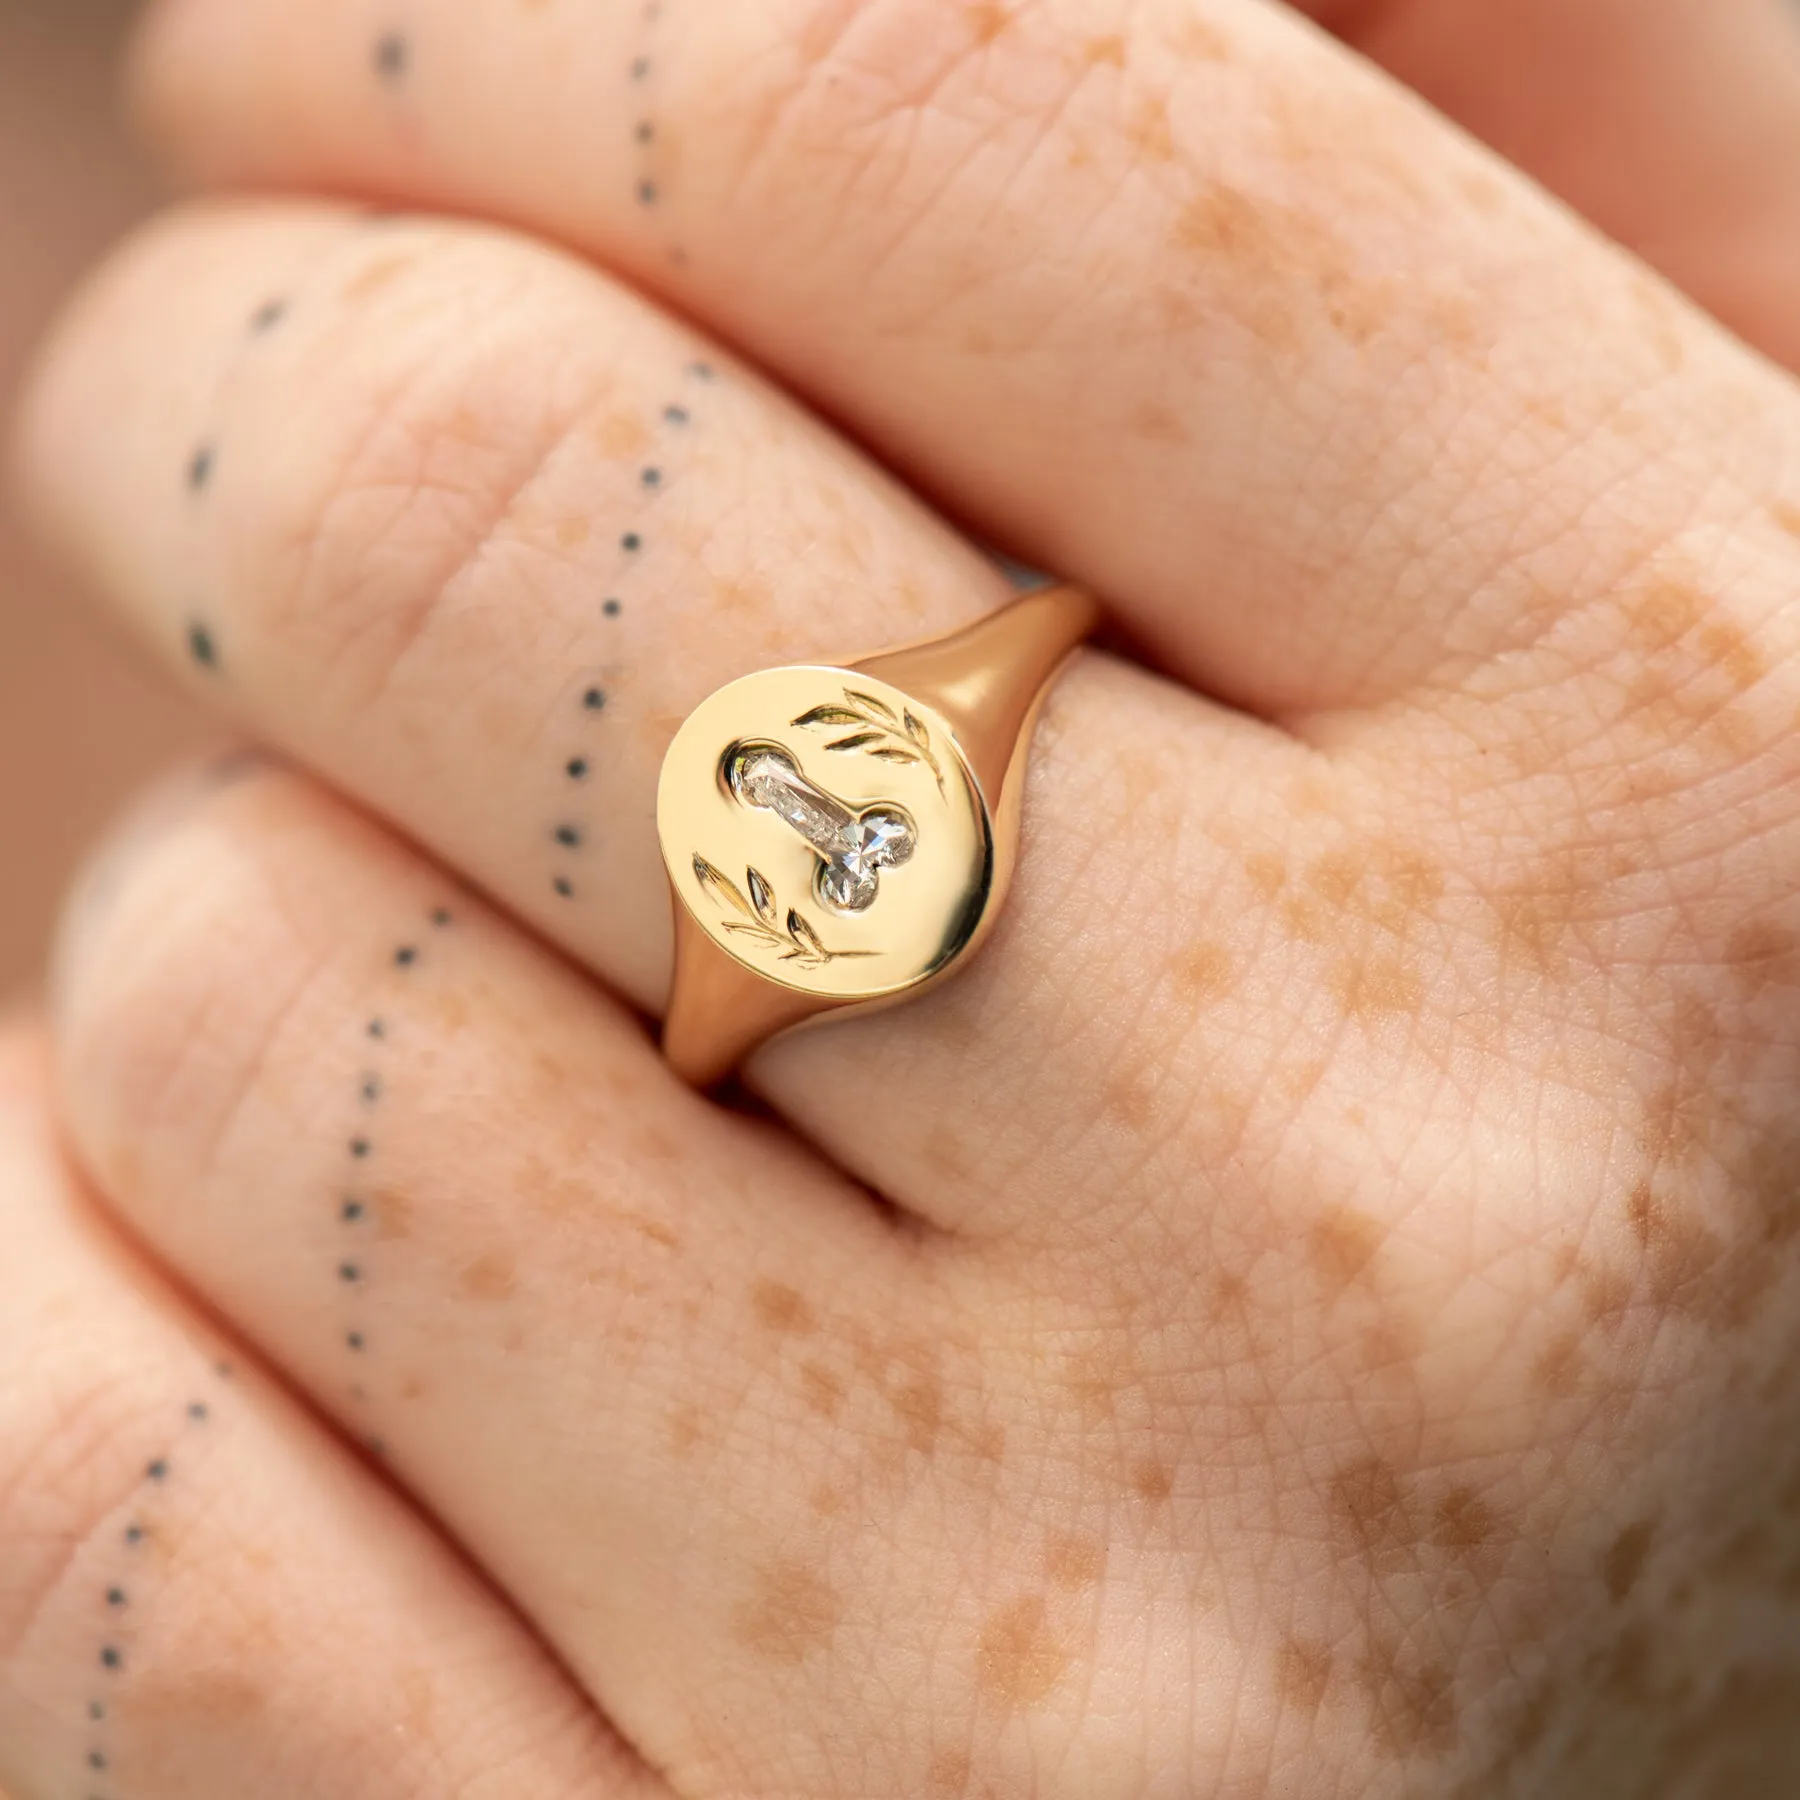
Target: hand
<point>1310,1312</point>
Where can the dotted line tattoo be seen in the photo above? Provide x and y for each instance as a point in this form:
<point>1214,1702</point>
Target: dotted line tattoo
<point>360,1207</point>
<point>117,1605</point>
<point>649,184</point>
<point>572,834</point>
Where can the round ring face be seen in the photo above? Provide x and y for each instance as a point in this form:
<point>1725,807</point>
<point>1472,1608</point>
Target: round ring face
<point>825,832</point>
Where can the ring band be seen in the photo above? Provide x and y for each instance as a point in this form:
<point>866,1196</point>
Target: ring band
<point>843,836</point>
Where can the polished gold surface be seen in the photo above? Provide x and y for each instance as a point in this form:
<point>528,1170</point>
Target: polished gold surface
<point>842,836</point>
<point>752,881</point>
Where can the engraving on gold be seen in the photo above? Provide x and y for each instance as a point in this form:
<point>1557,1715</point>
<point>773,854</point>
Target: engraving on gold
<point>760,917</point>
<point>874,811</point>
<point>867,853</point>
<point>880,734</point>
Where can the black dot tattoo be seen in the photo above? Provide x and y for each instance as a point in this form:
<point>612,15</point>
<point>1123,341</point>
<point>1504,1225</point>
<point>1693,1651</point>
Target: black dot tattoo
<point>112,1658</point>
<point>157,1471</point>
<point>267,317</point>
<point>646,193</point>
<point>393,56</point>
<point>703,371</point>
<point>349,1273</point>
<point>96,1759</point>
<point>646,131</point>
<point>352,1212</point>
<point>199,1412</point>
<point>115,1596</point>
<point>640,68</point>
<point>376,1029</point>
<point>594,699</point>
<point>96,1710</point>
<point>371,1089</point>
<point>576,768</point>
<point>676,415</point>
<point>202,647</point>
<point>651,478</point>
<point>441,917</point>
<point>631,543</point>
<point>354,1339</point>
<point>569,836</point>
<point>134,1534</point>
<point>200,468</point>
<point>406,956</point>
<point>564,887</point>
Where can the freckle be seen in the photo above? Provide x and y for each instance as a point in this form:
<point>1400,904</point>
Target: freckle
<point>200,468</point>
<point>202,647</point>
<point>1559,1366</point>
<point>1021,1659</point>
<point>572,532</point>
<point>612,608</point>
<point>413,1388</point>
<point>1371,1510</point>
<point>1203,971</point>
<point>406,956</point>
<point>565,889</point>
<point>1625,1557</point>
<point>987,19</point>
<point>1465,1523</point>
<point>1759,953</point>
<point>782,1308</point>
<point>948,1777</point>
<point>1377,987</point>
<point>1343,1243</point>
<point>1109,49</point>
<point>1787,516</point>
<point>594,699</point>
<point>1072,1560</point>
<point>490,1276</point>
<point>569,836</point>
<point>349,1273</point>
<point>792,1611</point>
<point>391,57</point>
<point>1303,1673</point>
<point>1152,1480</point>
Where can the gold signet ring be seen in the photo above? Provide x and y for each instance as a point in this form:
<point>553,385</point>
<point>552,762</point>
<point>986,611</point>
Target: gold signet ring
<point>843,836</point>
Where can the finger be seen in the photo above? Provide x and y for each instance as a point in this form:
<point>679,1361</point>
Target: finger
<point>1179,299</point>
<point>1674,126</point>
<point>379,572</point>
<point>455,1193</point>
<point>202,1595</point>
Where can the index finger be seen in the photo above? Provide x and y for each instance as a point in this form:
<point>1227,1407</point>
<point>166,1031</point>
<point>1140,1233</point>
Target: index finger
<point>1178,299</point>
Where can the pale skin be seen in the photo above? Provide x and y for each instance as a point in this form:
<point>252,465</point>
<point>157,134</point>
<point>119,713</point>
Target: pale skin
<point>1314,1311</point>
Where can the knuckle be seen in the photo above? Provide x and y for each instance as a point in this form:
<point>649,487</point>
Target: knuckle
<point>400,449</point>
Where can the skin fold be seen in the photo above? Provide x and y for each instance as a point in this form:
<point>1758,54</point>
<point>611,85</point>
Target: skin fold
<point>1310,1312</point>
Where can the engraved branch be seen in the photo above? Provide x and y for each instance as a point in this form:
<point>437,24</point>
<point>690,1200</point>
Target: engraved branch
<point>876,730</point>
<point>759,917</point>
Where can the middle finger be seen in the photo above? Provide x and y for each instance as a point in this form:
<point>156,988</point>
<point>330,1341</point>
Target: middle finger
<point>469,529</point>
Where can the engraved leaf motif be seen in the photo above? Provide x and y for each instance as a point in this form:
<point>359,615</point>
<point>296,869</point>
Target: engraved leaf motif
<point>893,753</point>
<point>808,941</point>
<point>831,715</point>
<point>762,895</point>
<point>916,731</point>
<point>856,741</point>
<point>879,708</point>
<point>722,887</point>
